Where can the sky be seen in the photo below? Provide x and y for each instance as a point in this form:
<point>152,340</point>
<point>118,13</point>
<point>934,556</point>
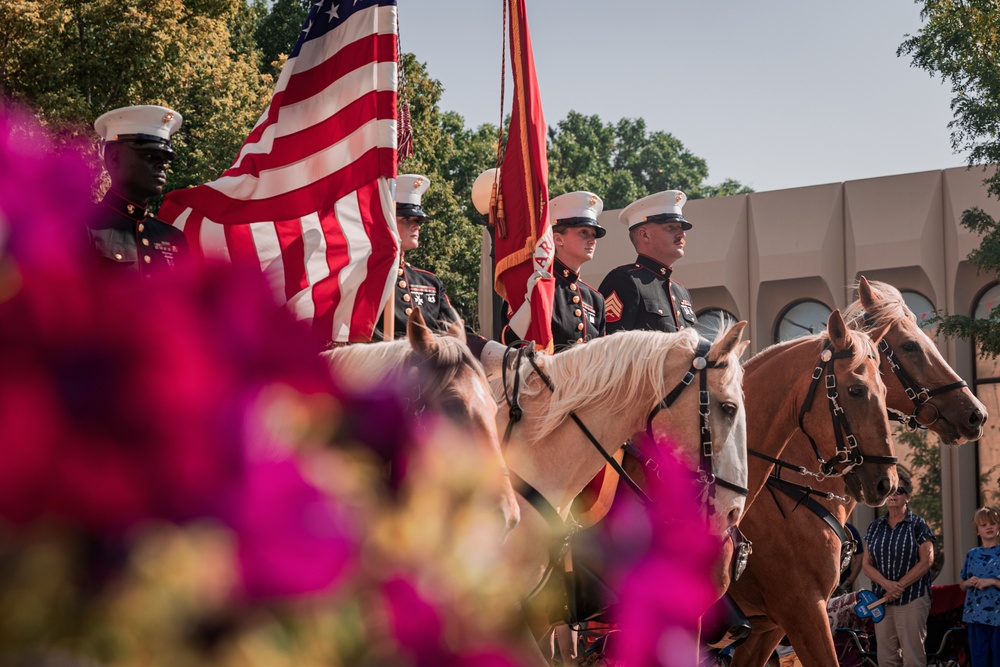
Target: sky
<point>773,93</point>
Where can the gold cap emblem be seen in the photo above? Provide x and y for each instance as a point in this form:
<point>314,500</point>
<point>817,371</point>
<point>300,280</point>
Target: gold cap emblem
<point>678,197</point>
<point>167,117</point>
<point>417,183</point>
<point>593,199</point>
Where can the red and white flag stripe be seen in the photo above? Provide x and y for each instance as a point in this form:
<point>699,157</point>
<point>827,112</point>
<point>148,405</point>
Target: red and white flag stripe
<point>308,199</point>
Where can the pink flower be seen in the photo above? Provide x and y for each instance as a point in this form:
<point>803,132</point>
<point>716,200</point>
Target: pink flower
<point>660,562</point>
<point>44,195</point>
<point>418,629</point>
<point>292,539</point>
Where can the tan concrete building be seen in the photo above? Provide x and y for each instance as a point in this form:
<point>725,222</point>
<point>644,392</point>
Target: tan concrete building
<point>784,259</point>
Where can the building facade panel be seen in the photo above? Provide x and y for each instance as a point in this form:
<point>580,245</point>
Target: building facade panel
<point>890,219</point>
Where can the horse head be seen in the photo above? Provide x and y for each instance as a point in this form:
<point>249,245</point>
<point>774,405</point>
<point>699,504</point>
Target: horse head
<point>461,392</point>
<point>443,377</point>
<point>729,432</point>
<point>857,416</point>
<point>923,390</point>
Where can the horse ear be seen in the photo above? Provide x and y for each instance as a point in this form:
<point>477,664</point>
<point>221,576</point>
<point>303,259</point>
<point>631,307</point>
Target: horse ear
<point>456,330</point>
<point>730,340</point>
<point>836,329</point>
<point>741,348</point>
<point>869,297</point>
<point>877,334</point>
<point>421,339</point>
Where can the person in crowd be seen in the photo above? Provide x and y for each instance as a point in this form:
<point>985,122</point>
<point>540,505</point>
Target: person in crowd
<point>577,309</point>
<point>644,295</point>
<point>898,561</point>
<point>980,579</point>
<point>415,287</point>
<point>136,150</point>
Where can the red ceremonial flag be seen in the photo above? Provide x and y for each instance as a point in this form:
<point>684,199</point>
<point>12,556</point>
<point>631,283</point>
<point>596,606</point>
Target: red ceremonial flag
<point>308,199</point>
<point>524,243</point>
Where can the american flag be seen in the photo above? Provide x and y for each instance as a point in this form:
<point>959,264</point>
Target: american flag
<point>308,199</point>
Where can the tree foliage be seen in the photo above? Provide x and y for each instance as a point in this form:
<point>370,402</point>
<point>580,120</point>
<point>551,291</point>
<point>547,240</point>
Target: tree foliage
<point>278,30</point>
<point>960,42</point>
<point>71,62</point>
<point>624,161</point>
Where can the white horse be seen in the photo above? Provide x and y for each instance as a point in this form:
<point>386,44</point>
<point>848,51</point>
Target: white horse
<point>617,386</point>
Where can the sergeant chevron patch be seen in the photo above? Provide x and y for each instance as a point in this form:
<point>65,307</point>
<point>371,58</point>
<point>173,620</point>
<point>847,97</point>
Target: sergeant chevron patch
<point>612,308</point>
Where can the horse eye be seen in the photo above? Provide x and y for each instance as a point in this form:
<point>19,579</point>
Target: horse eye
<point>910,346</point>
<point>856,390</point>
<point>729,408</point>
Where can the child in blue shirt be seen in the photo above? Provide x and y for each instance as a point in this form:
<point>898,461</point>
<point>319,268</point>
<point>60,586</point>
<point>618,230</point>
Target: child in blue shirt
<point>981,581</point>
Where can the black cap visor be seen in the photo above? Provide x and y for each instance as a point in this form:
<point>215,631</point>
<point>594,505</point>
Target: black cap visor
<point>669,217</point>
<point>599,231</point>
<point>410,211</point>
<point>147,142</point>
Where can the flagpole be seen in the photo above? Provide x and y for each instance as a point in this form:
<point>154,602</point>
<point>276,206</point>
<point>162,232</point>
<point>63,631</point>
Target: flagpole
<point>389,318</point>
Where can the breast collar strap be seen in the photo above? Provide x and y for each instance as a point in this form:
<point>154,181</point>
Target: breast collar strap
<point>802,495</point>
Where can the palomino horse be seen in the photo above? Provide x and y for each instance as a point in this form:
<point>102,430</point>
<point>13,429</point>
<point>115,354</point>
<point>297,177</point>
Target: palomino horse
<point>784,386</point>
<point>799,540</point>
<point>617,386</point>
<point>449,381</point>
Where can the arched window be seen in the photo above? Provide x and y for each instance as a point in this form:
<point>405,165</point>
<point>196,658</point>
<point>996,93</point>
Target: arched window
<point>802,318</point>
<point>711,320</point>
<point>987,388</point>
<point>921,307</point>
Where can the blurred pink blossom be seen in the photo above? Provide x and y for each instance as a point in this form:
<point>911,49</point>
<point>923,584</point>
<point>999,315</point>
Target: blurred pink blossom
<point>661,561</point>
<point>293,540</point>
<point>418,628</point>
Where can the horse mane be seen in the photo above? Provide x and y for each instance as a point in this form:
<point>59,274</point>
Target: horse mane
<point>890,308</point>
<point>615,372</point>
<point>862,348</point>
<point>367,364</point>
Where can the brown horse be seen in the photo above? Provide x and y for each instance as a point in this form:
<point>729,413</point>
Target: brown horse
<point>450,382</point>
<point>798,554</point>
<point>849,431</point>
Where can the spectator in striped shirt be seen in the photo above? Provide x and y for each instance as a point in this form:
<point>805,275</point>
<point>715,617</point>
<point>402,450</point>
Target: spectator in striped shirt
<point>898,561</point>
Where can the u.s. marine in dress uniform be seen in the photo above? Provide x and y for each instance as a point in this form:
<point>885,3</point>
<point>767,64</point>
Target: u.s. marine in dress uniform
<point>125,237</point>
<point>415,287</point>
<point>577,309</point>
<point>644,295</point>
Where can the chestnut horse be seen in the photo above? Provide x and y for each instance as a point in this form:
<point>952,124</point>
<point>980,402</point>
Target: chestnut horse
<point>798,552</point>
<point>616,386</point>
<point>449,382</point>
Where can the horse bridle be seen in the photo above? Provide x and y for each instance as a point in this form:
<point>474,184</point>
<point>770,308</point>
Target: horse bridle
<point>705,473</point>
<point>918,395</point>
<point>848,452</point>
